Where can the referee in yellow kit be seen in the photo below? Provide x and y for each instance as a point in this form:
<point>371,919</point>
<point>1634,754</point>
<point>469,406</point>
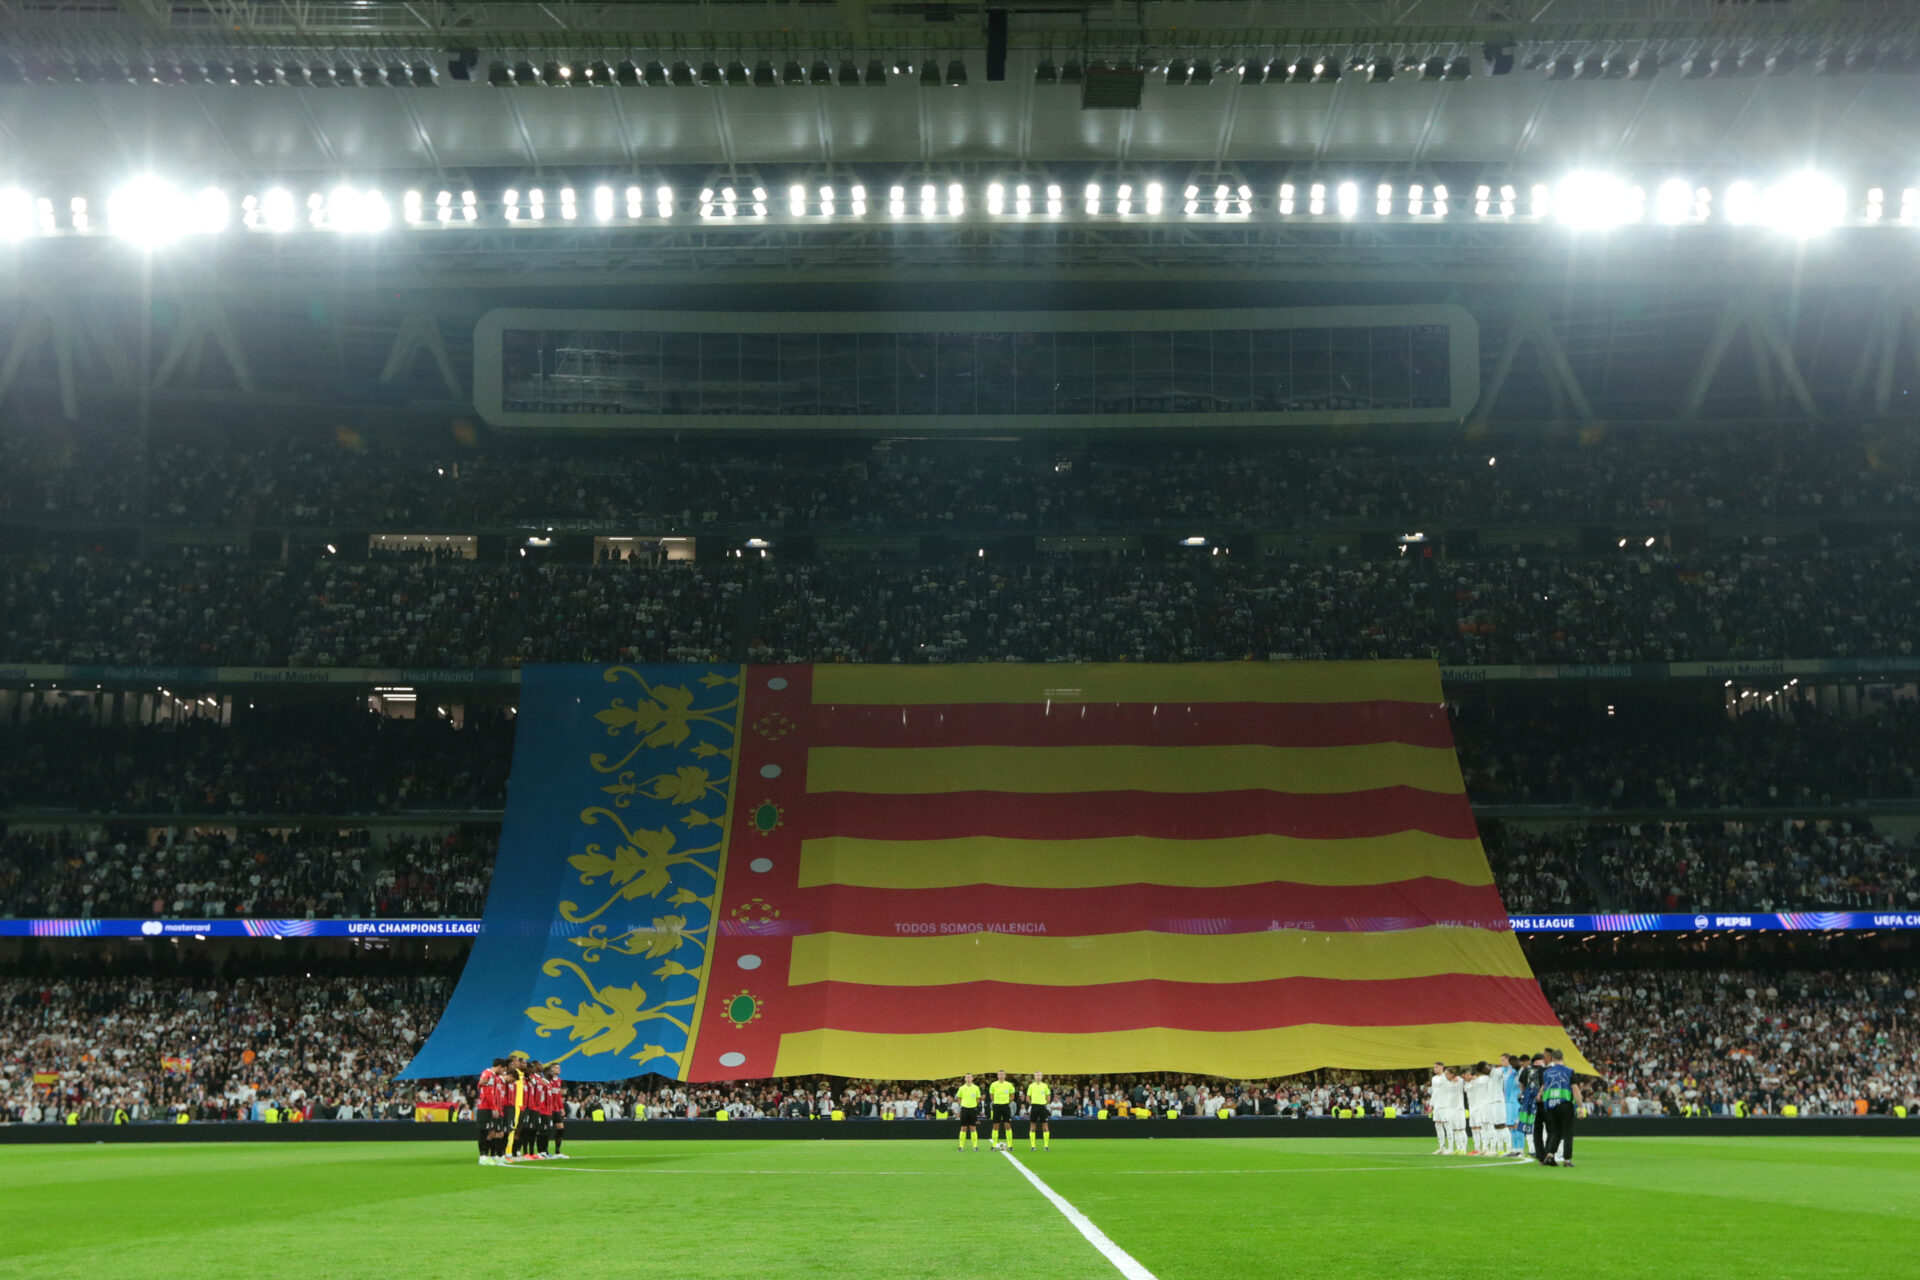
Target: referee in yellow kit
<point>1000,1094</point>
<point>1039,1116</point>
<point>968,1096</point>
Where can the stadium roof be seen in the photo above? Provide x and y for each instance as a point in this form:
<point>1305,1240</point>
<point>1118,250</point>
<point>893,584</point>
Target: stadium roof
<point>225,88</point>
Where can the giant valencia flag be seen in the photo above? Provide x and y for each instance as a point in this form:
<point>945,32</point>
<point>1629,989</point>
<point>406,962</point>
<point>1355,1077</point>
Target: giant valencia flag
<point>1236,869</point>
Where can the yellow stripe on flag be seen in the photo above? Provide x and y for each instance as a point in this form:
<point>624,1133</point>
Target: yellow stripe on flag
<point>1037,960</point>
<point>1244,1055</point>
<point>1111,860</point>
<point>866,685</point>
<point>1078,770</point>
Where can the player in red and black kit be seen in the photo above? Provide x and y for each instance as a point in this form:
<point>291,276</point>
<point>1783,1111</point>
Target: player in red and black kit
<point>540,1099</point>
<point>493,1139</point>
<point>559,1110</point>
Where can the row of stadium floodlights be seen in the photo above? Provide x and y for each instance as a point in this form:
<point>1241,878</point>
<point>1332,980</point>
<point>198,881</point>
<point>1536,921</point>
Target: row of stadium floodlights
<point>151,210</point>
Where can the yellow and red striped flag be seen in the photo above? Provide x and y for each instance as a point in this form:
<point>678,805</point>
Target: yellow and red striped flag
<point>1243,870</point>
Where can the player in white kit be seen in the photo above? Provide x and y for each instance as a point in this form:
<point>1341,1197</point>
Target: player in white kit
<point>1436,1095</point>
<point>1455,1095</point>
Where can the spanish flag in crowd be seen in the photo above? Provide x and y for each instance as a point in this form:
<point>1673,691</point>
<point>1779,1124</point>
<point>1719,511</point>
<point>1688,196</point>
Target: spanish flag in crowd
<point>46,1079</point>
<point>432,1112</point>
<point>176,1066</point>
<point>1238,869</point>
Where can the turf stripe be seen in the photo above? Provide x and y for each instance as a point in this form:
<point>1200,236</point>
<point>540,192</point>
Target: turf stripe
<point>1082,770</point>
<point>1123,1261</point>
<point>1142,724</point>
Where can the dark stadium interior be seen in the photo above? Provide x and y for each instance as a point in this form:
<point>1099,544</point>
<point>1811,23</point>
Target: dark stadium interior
<point>358,361</point>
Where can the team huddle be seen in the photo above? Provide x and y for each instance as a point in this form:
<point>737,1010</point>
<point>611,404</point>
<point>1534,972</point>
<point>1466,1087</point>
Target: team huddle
<point>1520,1109</point>
<point>1000,1093</point>
<point>522,1112</point>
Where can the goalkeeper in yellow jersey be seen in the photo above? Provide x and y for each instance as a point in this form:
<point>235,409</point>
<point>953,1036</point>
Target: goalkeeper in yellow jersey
<point>967,1097</point>
<point>1039,1115</point>
<point>1000,1094</point>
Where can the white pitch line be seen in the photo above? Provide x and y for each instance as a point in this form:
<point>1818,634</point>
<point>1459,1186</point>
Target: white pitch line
<point>1125,1262</point>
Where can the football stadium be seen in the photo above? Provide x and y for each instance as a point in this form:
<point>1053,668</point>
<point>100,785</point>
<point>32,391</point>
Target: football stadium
<point>968,638</point>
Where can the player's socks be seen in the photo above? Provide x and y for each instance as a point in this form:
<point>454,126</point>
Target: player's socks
<point>1046,1142</point>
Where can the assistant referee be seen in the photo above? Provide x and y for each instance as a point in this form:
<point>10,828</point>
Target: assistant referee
<point>1039,1116</point>
<point>1559,1096</point>
<point>968,1096</point>
<point>1000,1094</point>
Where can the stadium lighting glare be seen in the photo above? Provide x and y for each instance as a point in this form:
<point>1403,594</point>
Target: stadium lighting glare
<point>1093,197</point>
<point>278,212</point>
<point>1876,204</point>
<point>826,202</point>
<point>956,199</point>
<point>1193,542</point>
<point>1054,201</point>
<point>16,214</point>
<point>410,208</point>
<point>797,200</point>
<point>1192,195</point>
<point>636,203</point>
<point>1910,204</point>
<point>603,204</point>
<point>1155,193</point>
<point>1317,199</point>
<point>469,206</point>
<point>1383,200</point>
<point>1123,200</point>
<point>1440,202</point>
<point>1673,202</point>
<point>78,208</point>
<point>1023,199</point>
<point>1482,200</point>
<point>1348,195</point>
<point>211,213</point>
<point>897,201</point>
<point>663,201</point>
<point>569,204</point>
<point>1596,201</point>
<point>1416,199</point>
<point>1743,204</point>
<point>1805,204</point>
<point>929,200</point>
<point>149,211</point>
<point>996,199</point>
<point>859,197</point>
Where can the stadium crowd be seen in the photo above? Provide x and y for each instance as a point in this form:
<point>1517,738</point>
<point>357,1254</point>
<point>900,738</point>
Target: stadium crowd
<point>284,760</point>
<point>229,1048</point>
<point>213,1048</point>
<point>1704,866</point>
<point>342,478</point>
<point>1666,757</point>
<point>1638,605</point>
<point>102,873</point>
<point>1667,1042</point>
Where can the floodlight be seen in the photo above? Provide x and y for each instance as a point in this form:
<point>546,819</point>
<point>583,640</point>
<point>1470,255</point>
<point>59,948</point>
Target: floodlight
<point>820,72</point>
<point>1805,204</point>
<point>627,74</point>
<point>930,74</point>
<point>793,74</point>
<point>709,73</point>
<point>763,76</point>
<point>499,75</point>
<point>956,74</point>
<point>1597,200</point>
<point>603,203</point>
<point>1046,72</point>
<point>148,211</point>
<point>1673,202</point>
<point>1202,72</point>
<point>876,73</point>
<point>1179,71</point>
<point>1348,197</point>
<point>16,214</point>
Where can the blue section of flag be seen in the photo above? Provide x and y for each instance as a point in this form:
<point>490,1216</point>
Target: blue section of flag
<point>594,941</point>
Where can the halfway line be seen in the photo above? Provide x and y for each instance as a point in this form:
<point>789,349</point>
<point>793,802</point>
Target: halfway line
<point>1120,1258</point>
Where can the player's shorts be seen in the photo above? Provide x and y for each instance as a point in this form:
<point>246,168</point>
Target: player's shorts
<point>1513,1114</point>
<point>484,1117</point>
<point>1003,1113</point>
<point>1039,1113</point>
<point>969,1117</point>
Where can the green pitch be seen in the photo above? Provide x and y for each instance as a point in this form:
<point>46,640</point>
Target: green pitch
<point>1205,1209</point>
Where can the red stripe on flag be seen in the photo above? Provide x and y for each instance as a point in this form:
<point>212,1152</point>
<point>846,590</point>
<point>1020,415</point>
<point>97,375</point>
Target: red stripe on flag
<point>1333,724</point>
<point>1403,904</point>
<point>1182,1006</point>
<point>1166,815</point>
